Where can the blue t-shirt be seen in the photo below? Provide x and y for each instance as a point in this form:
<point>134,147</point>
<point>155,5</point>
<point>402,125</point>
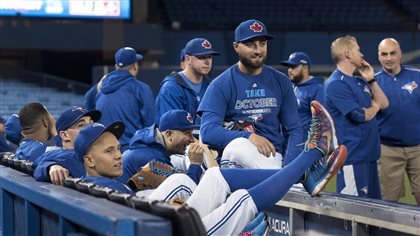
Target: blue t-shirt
<point>30,150</point>
<point>399,123</point>
<point>345,94</point>
<point>267,98</point>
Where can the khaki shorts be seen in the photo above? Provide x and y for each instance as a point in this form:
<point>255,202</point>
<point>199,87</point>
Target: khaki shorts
<point>392,165</point>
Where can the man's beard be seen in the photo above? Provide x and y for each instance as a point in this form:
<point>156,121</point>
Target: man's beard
<point>247,62</point>
<point>297,79</point>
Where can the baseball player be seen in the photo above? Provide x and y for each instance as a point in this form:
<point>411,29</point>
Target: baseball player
<point>56,165</point>
<point>250,90</point>
<point>38,127</point>
<point>5,145</point>
<point>124,98</point>
<point>399,124</point>
<point>306,87</point>
<point>158,142</point>
<point>354,103</point>
<point>184,90</point>
<point>226,199</point>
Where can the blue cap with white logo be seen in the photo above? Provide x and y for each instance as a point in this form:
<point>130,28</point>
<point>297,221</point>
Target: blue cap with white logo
<point>126,56</point>
<point>250,29</point>
<point>71,115</point>
<point>91,133</point>
<point>297,58</point>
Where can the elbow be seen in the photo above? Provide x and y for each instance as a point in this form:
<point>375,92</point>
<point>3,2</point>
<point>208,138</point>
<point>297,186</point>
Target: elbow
<point>385,104</point>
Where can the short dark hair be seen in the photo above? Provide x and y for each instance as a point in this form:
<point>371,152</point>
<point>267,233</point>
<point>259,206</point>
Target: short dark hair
<point>31,114</point>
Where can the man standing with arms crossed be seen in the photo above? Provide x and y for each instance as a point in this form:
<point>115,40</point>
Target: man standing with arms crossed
<point>252,90</point>
<point>353,103</point>
<point>399,124</point>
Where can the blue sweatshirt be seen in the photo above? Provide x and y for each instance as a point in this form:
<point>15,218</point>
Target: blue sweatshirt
<point>109,183</point>
<point>144,148</point>
<point>306,92</point>
<point>126,99</point>
<point>267,98</point>
<point>399,123</point>
<point>176,93</point>
<point>64,157</point>
<point>30,150</point>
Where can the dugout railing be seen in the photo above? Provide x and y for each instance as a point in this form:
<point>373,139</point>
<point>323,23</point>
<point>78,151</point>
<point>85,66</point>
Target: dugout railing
<point>33,208</point>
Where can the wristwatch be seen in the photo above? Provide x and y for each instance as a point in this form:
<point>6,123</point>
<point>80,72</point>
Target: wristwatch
<point>372,80</point>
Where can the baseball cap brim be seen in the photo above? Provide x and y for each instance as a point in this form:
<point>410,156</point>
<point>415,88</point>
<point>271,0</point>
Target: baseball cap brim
<point>139,57</point>
<point>215,53</point>
<point>116,128</point>
<point>289,63</point>
<point>267,36</point>
<point>94,114</point>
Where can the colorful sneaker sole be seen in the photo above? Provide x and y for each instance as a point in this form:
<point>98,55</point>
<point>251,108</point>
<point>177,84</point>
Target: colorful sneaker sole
<point>340,154</point>
<point>330,120</point>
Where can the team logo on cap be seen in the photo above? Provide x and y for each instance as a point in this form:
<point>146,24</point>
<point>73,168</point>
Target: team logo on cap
<point>256,27</point>
<point>77,108</point>
<point>410,86</point>
<point>206,44</point>
<point>189,118</point>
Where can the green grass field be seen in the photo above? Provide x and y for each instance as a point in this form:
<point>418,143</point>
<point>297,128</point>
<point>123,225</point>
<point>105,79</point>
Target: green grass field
<point>408,199</point>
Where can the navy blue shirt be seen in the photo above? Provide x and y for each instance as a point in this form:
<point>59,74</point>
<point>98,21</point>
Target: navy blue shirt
<point>345,94</point>
<point>399,124</point>
<point>267,98</point>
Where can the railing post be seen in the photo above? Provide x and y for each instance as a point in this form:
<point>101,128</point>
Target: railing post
<point>7,213</point>
<point>32,218</point>
<point>297,222</point>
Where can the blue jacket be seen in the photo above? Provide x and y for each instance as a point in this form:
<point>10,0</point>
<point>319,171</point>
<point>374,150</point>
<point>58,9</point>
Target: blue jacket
<point>64,157</point>
<point>399,123</point>
<point>144,148</point>
<point>175,93</point>
<point>306,92</point>
<point>30,150</point>
<point>344,94</point>
<point>109,183</point>
<point>126,99</point>
<point>5,145</point>
<point>90,98</point>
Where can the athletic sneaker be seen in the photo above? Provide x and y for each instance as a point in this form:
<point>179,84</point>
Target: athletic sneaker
<point>322,171</point>
<point>321,134</point>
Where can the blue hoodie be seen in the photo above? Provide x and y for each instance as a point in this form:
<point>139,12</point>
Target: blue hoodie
<point>64,157</point>
<point>306,92</point>
<point>30,150</point>
<point>175,93</point>
<point>144,148</point>
<point>90,98</point>
<point>124,98</point>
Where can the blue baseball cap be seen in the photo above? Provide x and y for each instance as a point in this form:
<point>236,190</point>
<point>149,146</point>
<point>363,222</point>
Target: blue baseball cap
<point>199,47</point>
<point>297,58</point>
<point>71,115</point>
<point>250,29</point>
<point>13,129</point>
<point>176,120</point>
<point>182,55</point>
<point>91,133</point>
<point>126,56</point>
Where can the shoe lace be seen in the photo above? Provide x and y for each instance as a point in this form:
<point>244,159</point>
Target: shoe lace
<point>314,131</point>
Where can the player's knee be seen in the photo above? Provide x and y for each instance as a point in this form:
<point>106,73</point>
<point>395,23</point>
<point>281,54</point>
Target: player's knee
<point>235,147</point>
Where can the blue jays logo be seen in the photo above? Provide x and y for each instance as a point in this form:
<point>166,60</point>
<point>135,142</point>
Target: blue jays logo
<point>189,118</point>
<point>77,108</point>
<point>366,89</point>
<point>206,44</point>
<point>410,86</point>
<point>256,27</point>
